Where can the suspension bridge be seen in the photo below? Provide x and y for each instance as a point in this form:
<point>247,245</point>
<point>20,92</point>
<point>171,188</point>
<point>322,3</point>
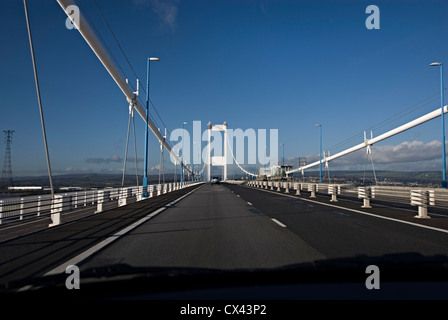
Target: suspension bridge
<point>266,221</point>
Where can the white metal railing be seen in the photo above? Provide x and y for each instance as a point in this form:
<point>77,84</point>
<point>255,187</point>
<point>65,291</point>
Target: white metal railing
<point>20,208</point>
<point>421,197</point>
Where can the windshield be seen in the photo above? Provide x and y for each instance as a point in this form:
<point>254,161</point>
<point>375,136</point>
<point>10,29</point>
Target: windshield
<point>254,150</point>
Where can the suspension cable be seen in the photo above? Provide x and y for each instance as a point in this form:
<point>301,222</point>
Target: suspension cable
<point>231,151</point>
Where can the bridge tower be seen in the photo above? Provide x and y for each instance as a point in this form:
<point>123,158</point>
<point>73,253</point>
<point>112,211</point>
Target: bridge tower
<point>217,160</point>
<point>6,179</point>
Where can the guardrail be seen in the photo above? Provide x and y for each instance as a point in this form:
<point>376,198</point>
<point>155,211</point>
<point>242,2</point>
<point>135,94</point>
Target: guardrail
<point>420,197</point>
<point>22,208</point>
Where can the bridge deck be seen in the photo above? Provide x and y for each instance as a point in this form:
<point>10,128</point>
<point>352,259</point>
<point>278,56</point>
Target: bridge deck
<point>224,227</point>
<point>36,253</point>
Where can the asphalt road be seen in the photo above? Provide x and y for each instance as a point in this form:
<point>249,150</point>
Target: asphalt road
<point>222,227</point>
<point>39,252</point>
<point>211,228</point>
<point>339,230</point>
<point>230,226</point>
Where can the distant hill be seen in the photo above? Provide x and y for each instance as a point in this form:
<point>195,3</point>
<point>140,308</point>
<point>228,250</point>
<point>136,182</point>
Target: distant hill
<point>96,180</point>
<point>418,177</point>
<point>91,180</point>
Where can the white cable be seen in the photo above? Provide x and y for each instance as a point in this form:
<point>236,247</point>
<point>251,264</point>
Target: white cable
<point>227,140</point>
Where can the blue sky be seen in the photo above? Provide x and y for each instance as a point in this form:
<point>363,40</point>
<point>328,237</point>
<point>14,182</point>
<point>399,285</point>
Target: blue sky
<point>259,64</point>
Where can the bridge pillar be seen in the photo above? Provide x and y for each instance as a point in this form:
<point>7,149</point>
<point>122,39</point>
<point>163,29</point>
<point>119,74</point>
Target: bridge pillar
<point>366,193</point>
<point>217,160</point>
<point>59,204</point>
<point>334,190</point>
<point>159,189</point>
<point>103,196</point>
<point>297,186</point>
<point>312,188</point>
<point>422,199</point>
<point>125,193</point>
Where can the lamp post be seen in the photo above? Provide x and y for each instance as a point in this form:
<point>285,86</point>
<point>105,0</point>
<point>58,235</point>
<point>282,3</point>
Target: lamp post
<point>320,154</point>
<point>444,182</point>
<point>283,159</point>
<point>182,162</point>
<point>145,171</point>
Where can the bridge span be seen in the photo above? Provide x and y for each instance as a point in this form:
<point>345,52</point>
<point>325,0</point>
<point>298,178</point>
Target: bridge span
<point>226,226</point>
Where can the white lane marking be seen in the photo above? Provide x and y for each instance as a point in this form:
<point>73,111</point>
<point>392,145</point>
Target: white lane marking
<point>278,222</point>
<point>361,212</point>
<point>82,256</point>
<point>249,203</point>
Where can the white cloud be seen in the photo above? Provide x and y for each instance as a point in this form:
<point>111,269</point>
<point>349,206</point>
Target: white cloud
<point>406,156</point>
<point>166,10</point>
<point>156,167</point>
<point>407,151</point>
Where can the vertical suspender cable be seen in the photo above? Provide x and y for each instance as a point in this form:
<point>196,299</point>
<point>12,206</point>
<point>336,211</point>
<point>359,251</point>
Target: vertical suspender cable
<point>94,43</point>
<point>126,149</point>
<point>135,146</point>
<point>38,98</point>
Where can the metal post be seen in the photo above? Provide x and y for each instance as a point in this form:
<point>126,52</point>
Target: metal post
<point>444,182</point>
<point>182,163</point>
<point>320,153</point>
<point>145,168</point>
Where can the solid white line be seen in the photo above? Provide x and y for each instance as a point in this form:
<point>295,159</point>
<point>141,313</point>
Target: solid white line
<point>278,222</point>
<point>361,212</point>
<point>82,256</point>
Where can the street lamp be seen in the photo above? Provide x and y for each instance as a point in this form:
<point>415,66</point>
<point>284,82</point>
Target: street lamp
<point>283,159</point>
<point>444,182</point>
<point>182,162</point>
<point>320,154</point>
<point>145,172</point>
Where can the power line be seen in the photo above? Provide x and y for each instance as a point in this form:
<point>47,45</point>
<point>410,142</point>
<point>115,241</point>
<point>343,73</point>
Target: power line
<point>387,121</point>
<point>102,40</point>
<point>115,38</point>
<point>128,62</point>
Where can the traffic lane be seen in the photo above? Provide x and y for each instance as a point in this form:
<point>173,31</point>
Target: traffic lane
<point>211,228</point>
<point>34,254</point>
<point>337,232</point>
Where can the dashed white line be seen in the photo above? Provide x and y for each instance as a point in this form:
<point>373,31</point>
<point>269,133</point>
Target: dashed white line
<point>361,212</point>
<point>249,203</point>
<point>278,222</point>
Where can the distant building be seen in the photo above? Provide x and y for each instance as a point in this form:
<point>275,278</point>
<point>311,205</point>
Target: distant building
<point>275,171</point>
<point>26,188</point>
